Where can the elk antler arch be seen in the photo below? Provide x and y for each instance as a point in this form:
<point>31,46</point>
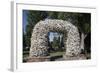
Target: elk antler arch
<point>39,40</point>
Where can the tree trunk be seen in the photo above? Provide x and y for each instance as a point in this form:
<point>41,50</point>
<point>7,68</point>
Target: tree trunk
<point>82,41</point>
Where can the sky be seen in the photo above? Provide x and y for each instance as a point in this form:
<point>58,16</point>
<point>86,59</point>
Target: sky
<point>24,19</point>
<point>52,35</point>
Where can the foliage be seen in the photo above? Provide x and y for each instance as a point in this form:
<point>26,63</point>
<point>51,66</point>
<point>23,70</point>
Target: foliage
<point>84,22</point>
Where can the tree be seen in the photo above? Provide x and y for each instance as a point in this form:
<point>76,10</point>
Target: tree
<point>84,25</point>
<point>62,41</point>
<point>52,15</point>
<point>24,42</point>
<point>55,44</point>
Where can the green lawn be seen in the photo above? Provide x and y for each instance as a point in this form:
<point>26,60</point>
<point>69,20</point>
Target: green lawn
<point>57,53</point>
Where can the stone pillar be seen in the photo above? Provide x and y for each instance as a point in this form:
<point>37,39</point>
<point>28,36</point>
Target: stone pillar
<point>72,43</point>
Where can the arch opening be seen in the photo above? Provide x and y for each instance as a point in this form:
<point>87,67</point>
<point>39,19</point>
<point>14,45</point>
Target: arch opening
<point>56,45</point>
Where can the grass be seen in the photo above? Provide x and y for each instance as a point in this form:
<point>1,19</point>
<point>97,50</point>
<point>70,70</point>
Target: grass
<point>59,53</point>
<point>56,55</point>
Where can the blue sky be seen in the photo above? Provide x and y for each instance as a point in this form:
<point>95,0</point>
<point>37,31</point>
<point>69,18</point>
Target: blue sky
<point>52,34</point>
<point>25,23</point>
<point>24,19</point>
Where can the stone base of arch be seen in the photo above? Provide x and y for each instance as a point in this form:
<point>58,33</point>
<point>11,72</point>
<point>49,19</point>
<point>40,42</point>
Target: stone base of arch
<point>78,57</point>
<point>38,59</point>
